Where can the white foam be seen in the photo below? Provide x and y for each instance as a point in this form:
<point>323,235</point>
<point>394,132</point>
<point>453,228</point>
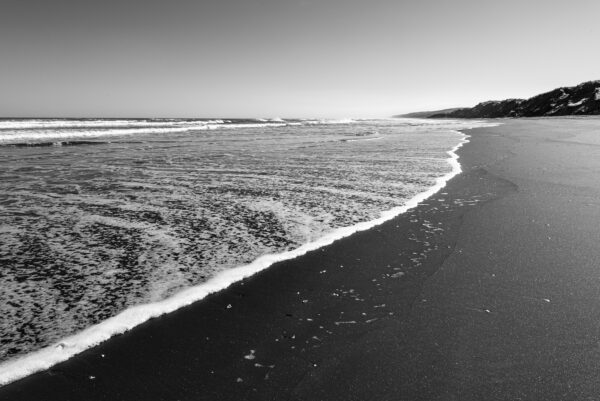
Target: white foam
<point>46,357</point>
<point>48,130</point>
<point>364,139</point>
<point>341,121</point>
<point>37,135</point>
<point>101,123</point>
<point>14,131</point>
<point>247,125</point>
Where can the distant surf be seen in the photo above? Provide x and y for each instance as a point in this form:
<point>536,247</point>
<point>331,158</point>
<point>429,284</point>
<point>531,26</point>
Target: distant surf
<point>146,227</point>
<point>32,131</point>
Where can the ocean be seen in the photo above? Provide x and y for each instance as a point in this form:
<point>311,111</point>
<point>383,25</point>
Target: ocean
<point>105,223</point>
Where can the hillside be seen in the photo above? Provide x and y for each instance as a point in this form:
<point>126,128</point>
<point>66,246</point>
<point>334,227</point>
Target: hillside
<point>583,99</point>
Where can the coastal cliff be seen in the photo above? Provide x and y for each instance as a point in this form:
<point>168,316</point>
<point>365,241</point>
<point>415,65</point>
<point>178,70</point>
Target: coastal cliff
<point>583,99</point>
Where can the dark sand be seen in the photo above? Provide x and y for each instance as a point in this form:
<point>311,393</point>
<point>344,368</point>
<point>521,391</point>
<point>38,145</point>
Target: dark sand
<point>502,303</point>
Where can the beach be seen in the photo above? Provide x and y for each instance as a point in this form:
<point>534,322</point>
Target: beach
<point>489,289</point>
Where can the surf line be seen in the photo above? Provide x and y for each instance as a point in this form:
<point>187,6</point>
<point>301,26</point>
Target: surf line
<point>68,347</point>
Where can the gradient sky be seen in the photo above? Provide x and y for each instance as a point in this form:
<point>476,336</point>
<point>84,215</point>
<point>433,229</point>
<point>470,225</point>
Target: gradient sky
<point>287,58</point>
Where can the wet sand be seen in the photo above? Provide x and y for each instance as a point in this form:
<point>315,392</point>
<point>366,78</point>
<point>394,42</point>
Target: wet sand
<point>488,290</point>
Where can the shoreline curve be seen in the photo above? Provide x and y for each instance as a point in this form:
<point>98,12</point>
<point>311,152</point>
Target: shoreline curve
<point>45,358</point>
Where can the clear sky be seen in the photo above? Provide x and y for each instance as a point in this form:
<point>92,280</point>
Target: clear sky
<point>287,58</point>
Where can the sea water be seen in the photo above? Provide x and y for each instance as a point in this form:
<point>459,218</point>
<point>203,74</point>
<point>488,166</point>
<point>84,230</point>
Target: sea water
<point>106,223</point>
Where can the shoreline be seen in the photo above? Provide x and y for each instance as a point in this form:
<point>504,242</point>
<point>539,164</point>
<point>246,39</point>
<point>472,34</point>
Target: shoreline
<point>69,347</point>
<point>487,290</point>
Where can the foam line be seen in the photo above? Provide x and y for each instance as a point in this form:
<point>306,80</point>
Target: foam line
<point>48,131</point>
<point>35,123</point>
<point>57,135</point>
<point>47,357</point>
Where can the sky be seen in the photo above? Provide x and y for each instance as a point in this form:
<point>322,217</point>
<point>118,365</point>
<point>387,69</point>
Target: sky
<point>286,58</point>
